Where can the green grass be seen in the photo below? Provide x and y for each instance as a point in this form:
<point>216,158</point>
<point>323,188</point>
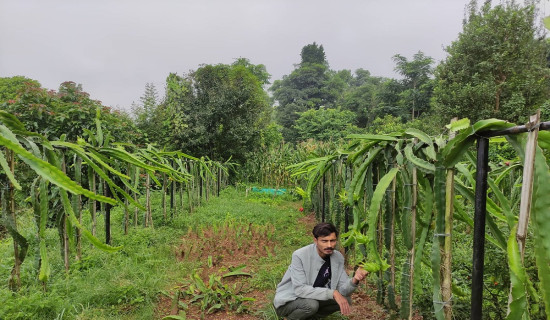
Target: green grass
<point>127,284</point>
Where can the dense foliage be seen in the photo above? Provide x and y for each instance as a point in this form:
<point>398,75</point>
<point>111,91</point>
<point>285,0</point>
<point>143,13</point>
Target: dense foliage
<point>219,110</point>
<point>396,196</point>
<point>497,67</point>
<point>68,112</point>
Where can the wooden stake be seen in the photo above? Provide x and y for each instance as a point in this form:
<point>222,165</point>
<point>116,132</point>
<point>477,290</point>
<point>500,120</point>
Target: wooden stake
<point>392,233</point>
<point>446,267</point>
<point>526,189</point>
<point>164,196</point>
<point>65,218</point>
<point>413,237</point>
<point>15,277</point>
<point>78,205</point>
<point>527,185</point>
<point>91,202</point>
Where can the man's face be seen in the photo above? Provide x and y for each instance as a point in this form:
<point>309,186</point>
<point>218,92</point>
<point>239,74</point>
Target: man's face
<point>325,245</point>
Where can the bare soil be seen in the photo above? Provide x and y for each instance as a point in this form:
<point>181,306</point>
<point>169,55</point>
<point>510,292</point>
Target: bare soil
<point>229,251</point>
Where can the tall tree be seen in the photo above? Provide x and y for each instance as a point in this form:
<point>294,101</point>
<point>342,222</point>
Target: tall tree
<point>417,85</point>
<point>307,87</point>
<point>149,99</point>
<point>362,97</point>
<point>313,54</point>
<point>12,86</point>
<point>219,110</point>
<point>496,68</point>
<point>144,113</point>
<point>258,70</point>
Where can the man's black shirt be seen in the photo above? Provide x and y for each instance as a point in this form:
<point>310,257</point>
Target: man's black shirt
<point>324,275</point>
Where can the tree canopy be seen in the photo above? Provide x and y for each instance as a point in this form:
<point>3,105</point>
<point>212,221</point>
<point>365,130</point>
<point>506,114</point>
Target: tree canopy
<point>325,124</point>
<point>68,112</point>
<point>304,89</point>
<point>417,84</point>
<point>218,110</point>
<point>12,86</point>
<point>496,68</point>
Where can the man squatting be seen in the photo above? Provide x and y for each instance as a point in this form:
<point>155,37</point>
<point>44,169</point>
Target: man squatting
<point>315,284</point>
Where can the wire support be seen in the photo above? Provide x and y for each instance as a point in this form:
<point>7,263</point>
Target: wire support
<point>442,234</point>
<point>443,304</point>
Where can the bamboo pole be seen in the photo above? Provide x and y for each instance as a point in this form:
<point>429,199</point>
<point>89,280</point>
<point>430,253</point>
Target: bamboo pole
<point>392,233</point>
<point>136,186</point>
<point>446,268</point>
<point>347,208</point>
<point>65,219</point>
<point>526,189</point>
<point>527,185</point>
<point>91,202</point>
<point>323,199</point>
<point>172,202</point>
<point>78,205</point>
<point>146,213</point>
<point>180,193</point>
<point>101,191</point>
<point>219,180</point>
<point>190,186</point>
<point>172,193</point>
<point>207,187</point>
<point>3,230</point>
<point>200,188</point>
<point>164,195</point>
<point>108,207</point>
<point>126,211</point>
<point>15,276</point>
<point>380,242</point>
<point>413,237</point>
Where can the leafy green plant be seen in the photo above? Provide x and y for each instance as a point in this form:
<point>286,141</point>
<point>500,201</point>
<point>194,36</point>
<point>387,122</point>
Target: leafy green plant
<point>371,162</point>
<point>213,295</point>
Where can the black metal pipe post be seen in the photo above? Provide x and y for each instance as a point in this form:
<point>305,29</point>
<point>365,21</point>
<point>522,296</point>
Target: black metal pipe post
<point>479,228</point>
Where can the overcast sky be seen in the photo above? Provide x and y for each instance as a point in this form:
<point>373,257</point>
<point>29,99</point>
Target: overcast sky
<point>114,47</point>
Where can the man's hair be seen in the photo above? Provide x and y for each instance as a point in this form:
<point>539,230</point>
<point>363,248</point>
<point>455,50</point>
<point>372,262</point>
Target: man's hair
<point>324,229</point>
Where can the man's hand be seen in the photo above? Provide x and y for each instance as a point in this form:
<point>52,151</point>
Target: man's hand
<point>360,274</point>
<point>342,302</point>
